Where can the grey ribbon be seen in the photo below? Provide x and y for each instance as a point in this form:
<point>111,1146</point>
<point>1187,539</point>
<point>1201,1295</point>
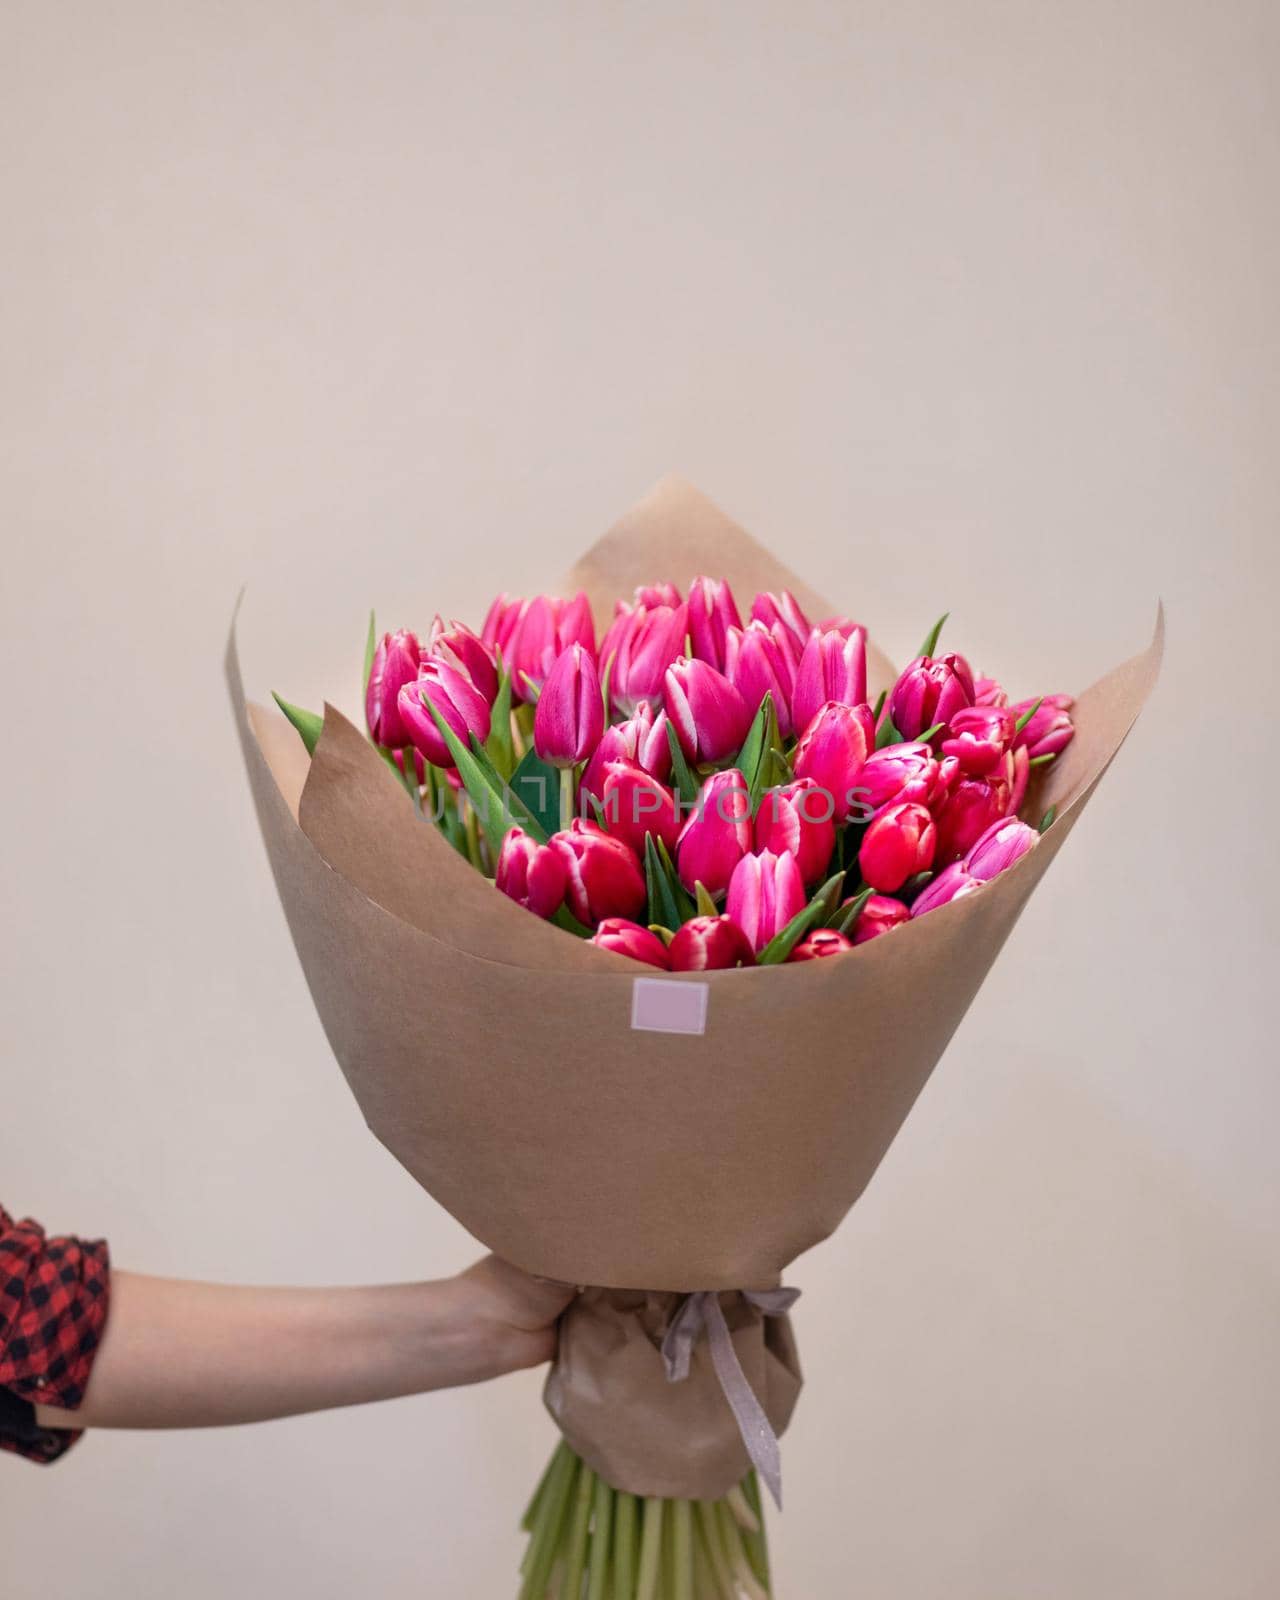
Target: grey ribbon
<point>701,1311</point>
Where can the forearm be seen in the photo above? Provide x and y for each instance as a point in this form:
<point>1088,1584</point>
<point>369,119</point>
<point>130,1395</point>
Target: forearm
<point>178,1354</point>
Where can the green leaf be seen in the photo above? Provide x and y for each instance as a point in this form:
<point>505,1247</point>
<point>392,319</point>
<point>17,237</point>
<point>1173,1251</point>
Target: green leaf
<point>1027,715</point>
<point>846,915</point>
<point>604,683</point>
<point>665,934</point>
<point>702,897</point>
<point>753,759</point>
<point>931,639</point>
<point>912,887</point>
<point>1043,761</point>
<point>370,645</point>
<point>497,809</point>
<point>308,724</point>
<point>1046,821</point>
<point>887,734</point>
<point>662,903</point>
<point>880,700</point>
<point>406,778</point>
<point>564,918</point>
<point>535,784</point>
<point>686,783</point>
<point>684,900</point>
<point>929,733</point>
<point>532,690</point>
<point>782,944</point>
<point>499,746</point>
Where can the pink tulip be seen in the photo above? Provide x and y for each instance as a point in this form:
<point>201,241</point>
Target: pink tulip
<point>717,834</point>
<point>604,877</point>
<point>833,750</point>
<point>783,610</point>
<point>902,772</point>
<point>756,663</point>
<point>395,663</point>
<point>531,873</point>
<point>642,738</point>
<point>1050,729</point>
<point>706,944</point>
<point>880,914</point>
<point>712,612</point>
<point>978,736</point>
<point>644,642</point>
<point>634,805</point>
<point>500,623</point>
<point>460,649</point>
<point>765,892</point>
<point>844,626</point>
<point>457,700</point>
<point>657,594</point>
<point>1018,771</point>
<point>832,667</point>
<point>800,818</point>
<point>626,938</point>
<point>819,944</point>
<point>931,689</point>
<point>569,718</point>
<point>952,883</point>
<point>987,692</point>
<point>965,815</point>
<point>999,847</point>
<point>546,628</point>
<point>898,844</point>
<point>709,715</point>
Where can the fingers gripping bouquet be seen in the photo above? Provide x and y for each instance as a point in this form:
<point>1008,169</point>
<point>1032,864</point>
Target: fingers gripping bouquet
<point>726,779</point>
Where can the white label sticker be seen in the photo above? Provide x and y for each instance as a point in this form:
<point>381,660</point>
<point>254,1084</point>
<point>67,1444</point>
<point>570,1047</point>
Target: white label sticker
<point>660,1006</point>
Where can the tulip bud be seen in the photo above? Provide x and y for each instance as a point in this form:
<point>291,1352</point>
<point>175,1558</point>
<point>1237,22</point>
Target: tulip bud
<point>500,623</point>
<point>832,667</point>
<point>709,715</point>
<point>706,944</point>
<point>644,642</point>
<point>626,938</point>
<point>717,834</point>
<point>899,843</point>
<point>457,700</point>
<point>1018,768</point>
<point>932,689</point>
<point>978,736</point>
<point>395,663</point>
<point>951,884</point>
<point>642,738</point>
<point>903,772</point>
<point>459,648</point>
<point>800,818</point>
<point>880,914</point>
<point>783,610</point>
<point>712,612</point>
<point>987,692</point>
<point>545,630</point>
<point>1050,728</point>
<point>999,847</point>
<point>765,892</point>
<point>967,812</point>
<point>832,751</point>
<point>531,873</point>
<point>569,718</point>
<point>844,626</point>
<point>756,663</point>
<point>604,877</point>
<point>657,594</point>
<point>633,805</point>
<point>820,943</point>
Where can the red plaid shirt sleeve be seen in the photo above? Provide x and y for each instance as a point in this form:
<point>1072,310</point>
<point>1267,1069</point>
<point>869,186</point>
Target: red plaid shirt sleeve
<point>53,1307</point>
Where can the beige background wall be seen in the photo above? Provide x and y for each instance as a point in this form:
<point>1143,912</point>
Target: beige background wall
<point>962,305</point>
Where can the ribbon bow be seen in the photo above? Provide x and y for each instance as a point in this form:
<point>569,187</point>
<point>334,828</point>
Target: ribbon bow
<point>701,1311</point>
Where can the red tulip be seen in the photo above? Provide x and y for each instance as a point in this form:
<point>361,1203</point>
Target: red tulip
<point>717,834</point>
<point>459,648</point>
<point>634,805</point>
<point>705,944</point>
<point>547,626</point>
<point>999,847</point>
<point>967,812</point>
<point>757,663</point>
<point>899,843</point>
<point>833,750</point>
<point>833,666</point>
<point>798,817</point>
<point>932,689</point>
<point>902,772</point>
<point>604,877</point>
<point>395,663</point>
<point>569,718</point>
<point>783,610</point>
<point>978,736</point>
<point>626,938</point>
<point>951,884</point>
<point>765,892</point>
<point>880,914</point>
<point>642,738</point>
<point>531,873</point>
<point>1050,729</point>
<point>822,942</point>
<point>712,612</point>
<point>709,715</point>
<point>457,700</point>
<point>644,642</point>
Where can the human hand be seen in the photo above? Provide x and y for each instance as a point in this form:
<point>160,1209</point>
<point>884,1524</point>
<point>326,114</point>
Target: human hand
<point>513,1316</point>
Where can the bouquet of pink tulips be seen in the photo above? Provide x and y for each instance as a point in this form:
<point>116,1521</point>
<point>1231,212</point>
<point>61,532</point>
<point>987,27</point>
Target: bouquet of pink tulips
<point>693,790</point>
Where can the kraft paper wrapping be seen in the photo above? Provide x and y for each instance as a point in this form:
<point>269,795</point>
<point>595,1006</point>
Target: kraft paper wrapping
<point>494,1054</point>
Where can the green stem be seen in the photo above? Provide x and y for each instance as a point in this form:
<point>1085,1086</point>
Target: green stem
<point>567,790</point>
<point>650,1550</point>
<point>576,1554</point>
<point>682,1549</point>
<point>756,1540</point>
<point>709,1527</point>
<point>546,1528</point>
<point>601,1530</point>
<point>531,1511</point>
<point>624,1542</point>
<point>739,1564</point>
